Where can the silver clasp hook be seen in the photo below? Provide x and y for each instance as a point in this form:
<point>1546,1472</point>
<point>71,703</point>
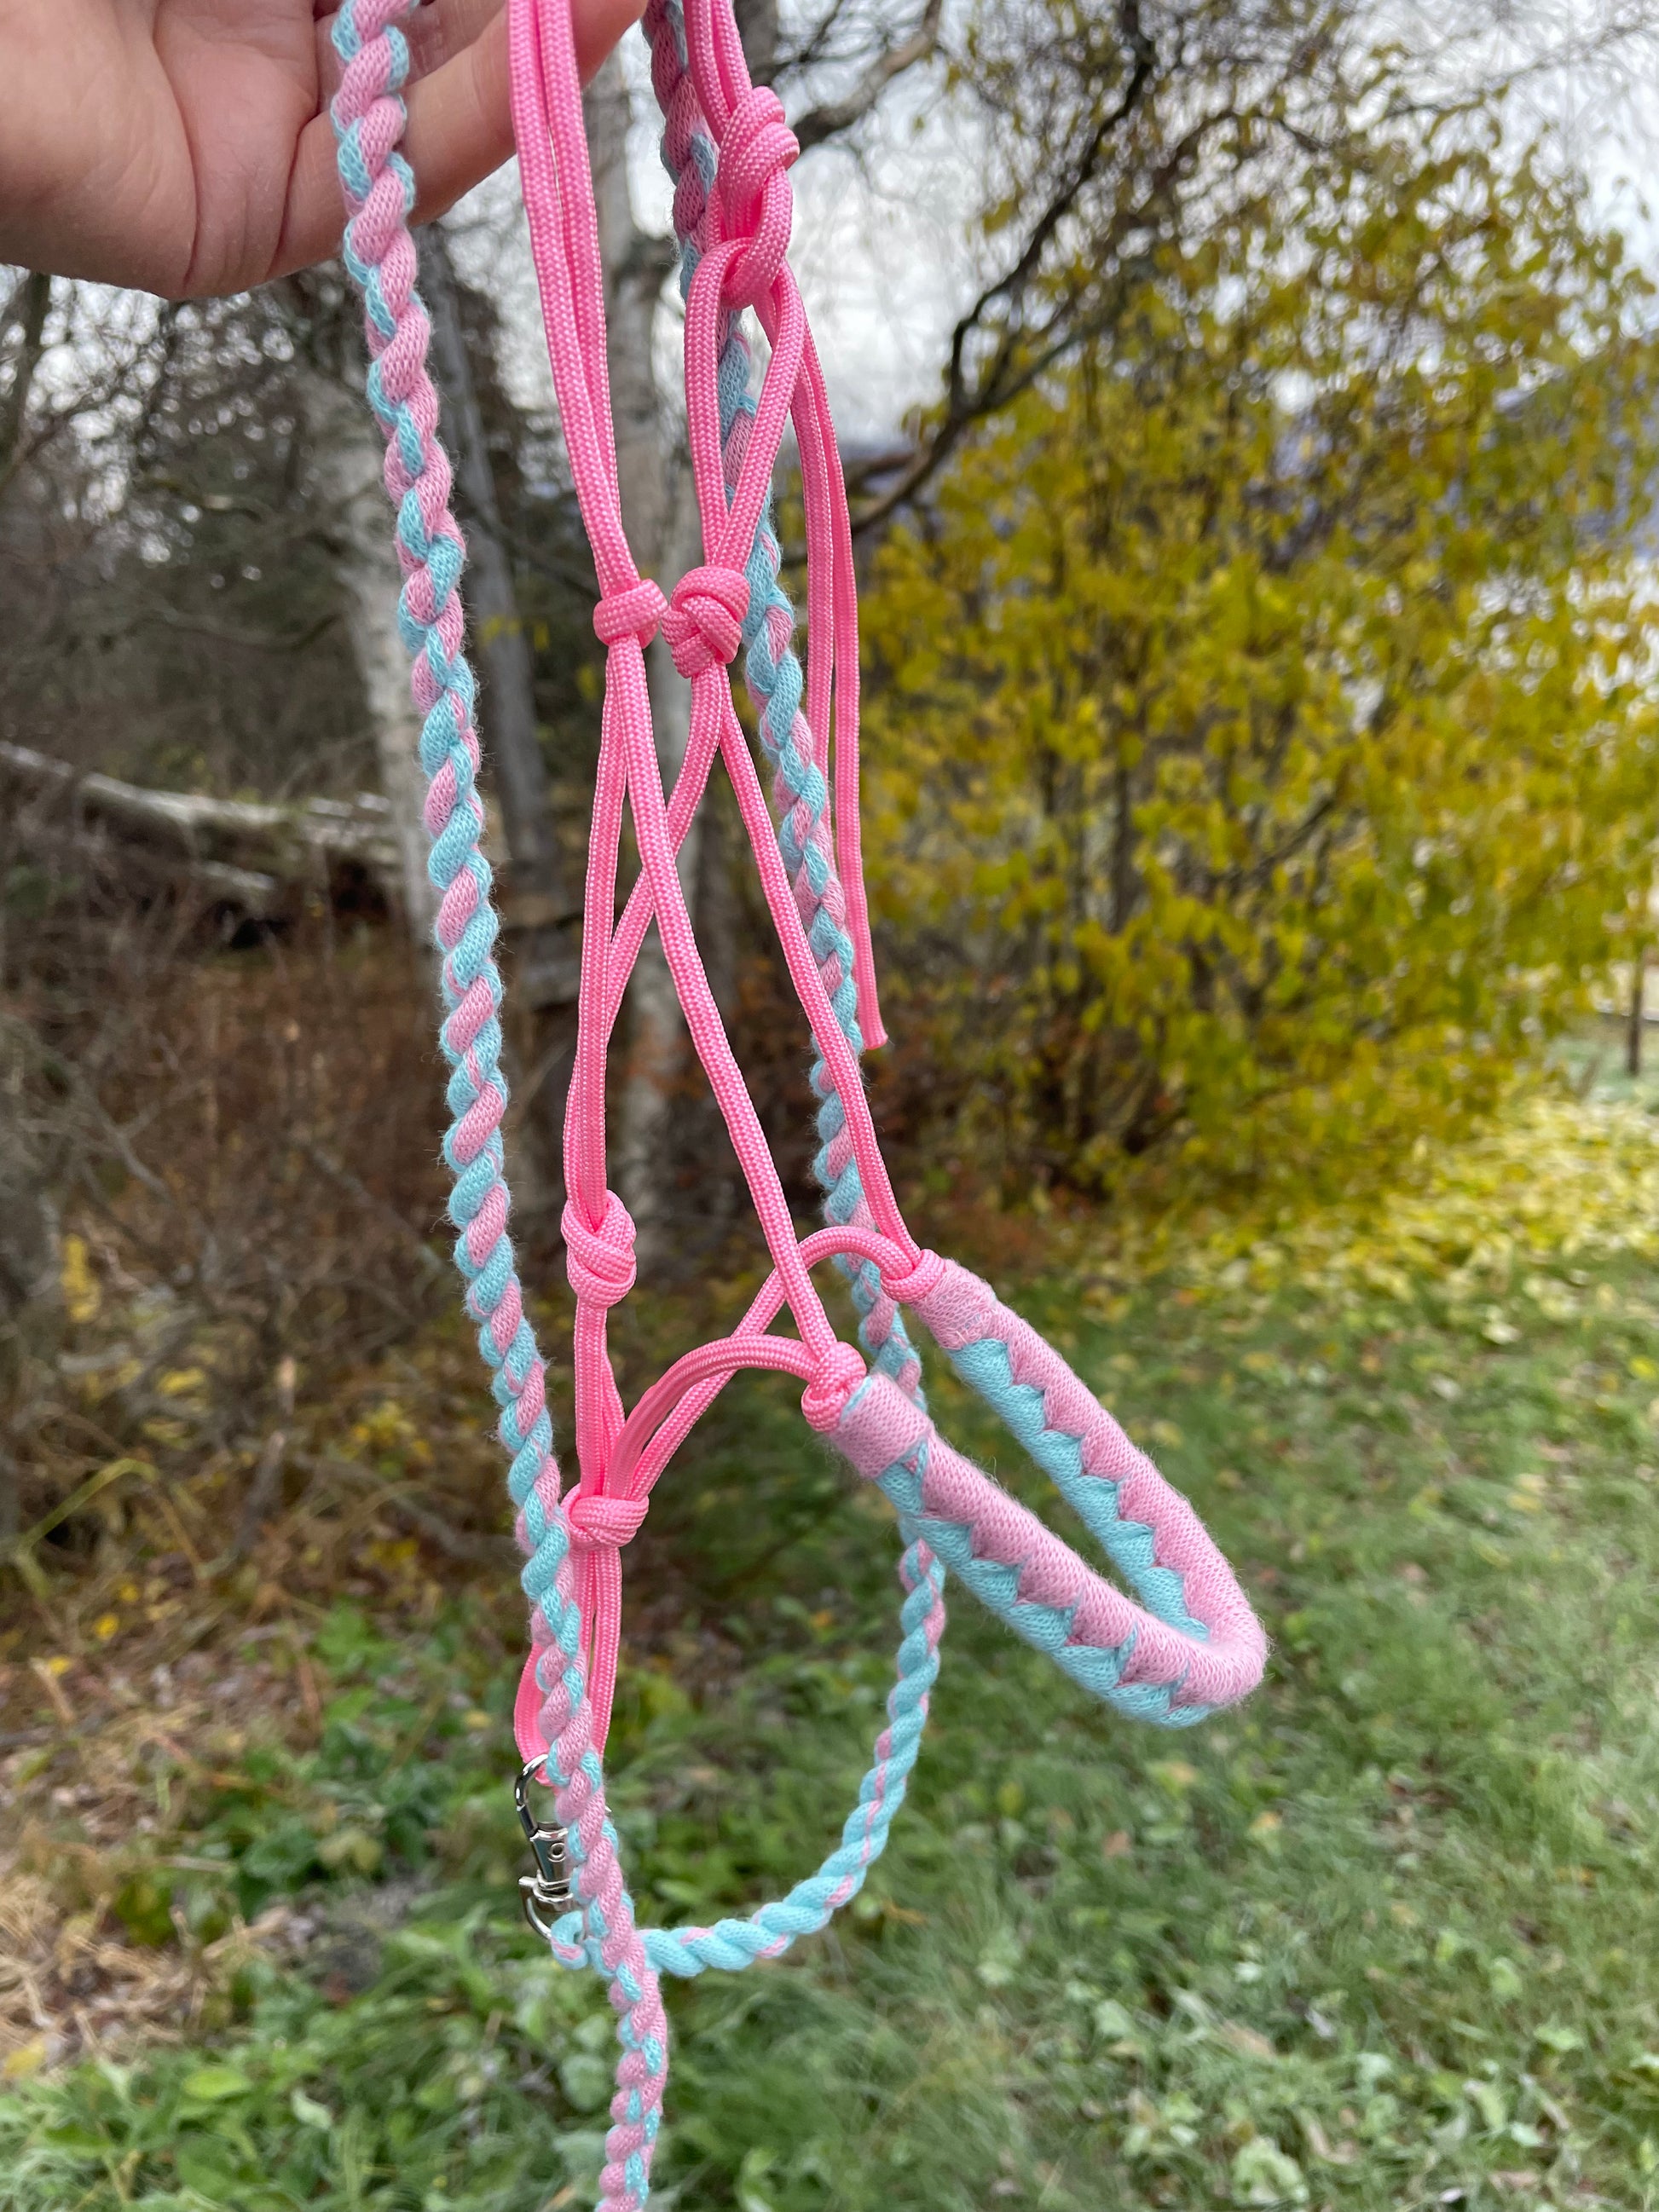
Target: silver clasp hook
<point>548,1890</point>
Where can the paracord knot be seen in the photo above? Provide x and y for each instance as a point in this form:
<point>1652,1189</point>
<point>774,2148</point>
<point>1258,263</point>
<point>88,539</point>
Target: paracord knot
<point>600,1261</point>
<point>825,1397</point>
<point>757,150</point>
<point>634,611</point>
<point>703,620</point>
<point>917,1283</point>
<point>599,1524</point>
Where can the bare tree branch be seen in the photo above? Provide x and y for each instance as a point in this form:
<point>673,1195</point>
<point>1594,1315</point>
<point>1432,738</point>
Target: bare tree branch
<point>251,641</point>
<point>836,116</point>
<point>30,303</point>
<point>1012,286</point>
<point>1022,356</point>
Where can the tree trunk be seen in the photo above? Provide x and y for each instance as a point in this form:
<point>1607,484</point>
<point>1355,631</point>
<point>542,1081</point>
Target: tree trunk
<point>30,304</point>
<point>259,858</point>
<point>347,454</point>
<point>757,27</point>
<point>542,914</point>
<point>660,519</point>
<point>1636,1011</point>
<point>31,1304</point>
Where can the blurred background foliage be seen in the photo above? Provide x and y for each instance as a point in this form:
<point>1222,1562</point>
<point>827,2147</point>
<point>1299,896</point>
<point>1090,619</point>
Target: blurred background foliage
<point>1262,731</point>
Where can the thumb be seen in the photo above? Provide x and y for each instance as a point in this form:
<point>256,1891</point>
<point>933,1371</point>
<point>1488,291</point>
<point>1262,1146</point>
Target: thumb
<point>460,131</point>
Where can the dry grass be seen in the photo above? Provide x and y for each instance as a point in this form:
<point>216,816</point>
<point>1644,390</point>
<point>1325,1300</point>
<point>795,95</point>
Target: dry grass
<point>74,1977</point>
<point>144,1655</point>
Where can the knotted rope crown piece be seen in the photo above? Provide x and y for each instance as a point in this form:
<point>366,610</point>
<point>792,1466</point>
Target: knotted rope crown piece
<point>1190,1642</point>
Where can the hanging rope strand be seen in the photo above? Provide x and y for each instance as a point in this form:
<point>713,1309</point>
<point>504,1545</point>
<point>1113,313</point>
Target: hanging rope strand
<point>379,253</point>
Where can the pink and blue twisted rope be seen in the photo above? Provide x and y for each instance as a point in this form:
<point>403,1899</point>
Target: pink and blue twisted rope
<point>379,253</point>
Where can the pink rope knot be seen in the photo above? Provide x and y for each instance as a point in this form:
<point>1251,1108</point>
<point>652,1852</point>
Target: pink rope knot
<point>601,1523</point>
<point>915,1284</point>
<point>600,1261</point>
<point>634,611</point>
<point>825,1397</point>
<point>757,150</point>
<point>703,622</point>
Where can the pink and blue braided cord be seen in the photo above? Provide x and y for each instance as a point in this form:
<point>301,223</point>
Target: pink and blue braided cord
<point>380,254</point>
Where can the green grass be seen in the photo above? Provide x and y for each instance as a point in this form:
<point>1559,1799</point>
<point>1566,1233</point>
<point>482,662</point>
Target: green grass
<point>1387,1937</point>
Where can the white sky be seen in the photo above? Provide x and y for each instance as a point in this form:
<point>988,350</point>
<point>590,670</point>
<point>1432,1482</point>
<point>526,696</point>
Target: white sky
<point>882,247</point>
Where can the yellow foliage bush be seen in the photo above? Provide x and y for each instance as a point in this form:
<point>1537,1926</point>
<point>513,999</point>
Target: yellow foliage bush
<point>1551,1188</point>
<point>1261,741</point>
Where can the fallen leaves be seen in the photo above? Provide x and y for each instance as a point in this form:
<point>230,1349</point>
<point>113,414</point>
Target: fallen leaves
<point>1513,1215</point>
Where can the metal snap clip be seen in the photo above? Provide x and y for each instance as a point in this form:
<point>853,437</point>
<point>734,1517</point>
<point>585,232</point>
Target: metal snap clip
<point>547,1892</point>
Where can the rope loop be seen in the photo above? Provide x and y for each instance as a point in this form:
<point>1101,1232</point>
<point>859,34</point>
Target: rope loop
<point>704,621</point>
<point>634,611</point>
<point>599,1262</point>
<point>751,185</point>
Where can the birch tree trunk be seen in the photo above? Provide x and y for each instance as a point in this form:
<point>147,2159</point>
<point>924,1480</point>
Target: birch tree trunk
<point>347,455</point>
<point>542,912</point>
<point>659,515</point>
<point>542,915</point>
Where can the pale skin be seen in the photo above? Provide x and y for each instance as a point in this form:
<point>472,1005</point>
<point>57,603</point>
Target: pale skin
<point>183,147</point>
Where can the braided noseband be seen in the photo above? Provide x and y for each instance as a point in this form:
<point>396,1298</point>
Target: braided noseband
<point>1191,1643</point>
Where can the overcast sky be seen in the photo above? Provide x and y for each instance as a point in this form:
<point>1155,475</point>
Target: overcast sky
<point>881,249</point>
<point>883,245</point>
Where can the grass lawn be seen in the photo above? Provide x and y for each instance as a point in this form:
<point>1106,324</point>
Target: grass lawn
<point>1388,1936</point>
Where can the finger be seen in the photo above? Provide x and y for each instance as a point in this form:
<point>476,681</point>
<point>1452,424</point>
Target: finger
<point>441,30</point>
<point>461,125</point>
<point>437,33</point>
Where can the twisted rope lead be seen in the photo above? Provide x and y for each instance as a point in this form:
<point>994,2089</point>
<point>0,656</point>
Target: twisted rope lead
<point>379,253</point>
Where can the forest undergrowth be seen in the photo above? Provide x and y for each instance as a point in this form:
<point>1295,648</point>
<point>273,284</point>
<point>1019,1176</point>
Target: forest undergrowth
<point>1387,1937</point>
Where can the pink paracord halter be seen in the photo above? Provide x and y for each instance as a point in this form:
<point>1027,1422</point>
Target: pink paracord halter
<point>1194,1643</point>
<point>620,1459</point>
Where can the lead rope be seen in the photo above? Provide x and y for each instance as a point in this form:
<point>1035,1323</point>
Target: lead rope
<point>1194,1642</point>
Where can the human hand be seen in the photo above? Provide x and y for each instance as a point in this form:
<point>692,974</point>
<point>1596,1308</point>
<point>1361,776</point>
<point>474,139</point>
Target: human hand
<point>184,146</point>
